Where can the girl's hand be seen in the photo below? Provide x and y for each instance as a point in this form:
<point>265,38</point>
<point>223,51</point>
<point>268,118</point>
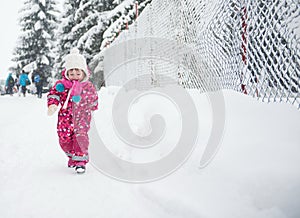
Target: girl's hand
<point>51,109</point>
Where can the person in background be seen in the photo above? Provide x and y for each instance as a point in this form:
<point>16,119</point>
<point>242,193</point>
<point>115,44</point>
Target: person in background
<point>17,84</point>
<point>24,81</point>
<point>37,79</point>
<point>10,83</point>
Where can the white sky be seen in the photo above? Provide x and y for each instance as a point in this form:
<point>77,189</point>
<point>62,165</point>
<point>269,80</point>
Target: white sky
<point>10,28</point>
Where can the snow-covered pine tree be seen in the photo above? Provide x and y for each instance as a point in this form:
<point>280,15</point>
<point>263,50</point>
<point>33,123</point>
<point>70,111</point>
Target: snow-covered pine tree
<point>64,36</point>
<point>89,27</point>
<point>114,20</point>
<point>91,24</point>
<point>111,4</point>
<point>82,25</point>
<point>38,20</point>
<point>121,18</point>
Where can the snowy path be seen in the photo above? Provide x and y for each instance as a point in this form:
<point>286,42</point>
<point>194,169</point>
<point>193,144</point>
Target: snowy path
<point>255,174</point>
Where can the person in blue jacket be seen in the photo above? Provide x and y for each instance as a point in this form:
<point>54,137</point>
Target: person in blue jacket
<point>37,79</point>
<point>24,81</point>
<point>10,83</point>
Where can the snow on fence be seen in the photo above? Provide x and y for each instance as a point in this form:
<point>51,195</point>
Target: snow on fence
<point>248,46</point>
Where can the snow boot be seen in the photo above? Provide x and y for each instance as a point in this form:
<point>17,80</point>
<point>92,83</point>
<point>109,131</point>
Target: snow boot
<point>80,169</point>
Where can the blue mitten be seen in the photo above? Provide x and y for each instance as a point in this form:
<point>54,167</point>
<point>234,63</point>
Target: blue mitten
<point>76,98</point>
<point>60,87</point>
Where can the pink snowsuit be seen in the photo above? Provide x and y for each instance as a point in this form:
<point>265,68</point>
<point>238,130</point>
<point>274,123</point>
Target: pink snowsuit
<point>74,121</point>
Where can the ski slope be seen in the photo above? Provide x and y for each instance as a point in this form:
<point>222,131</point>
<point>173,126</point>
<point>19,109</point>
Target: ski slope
<point>256,172</point>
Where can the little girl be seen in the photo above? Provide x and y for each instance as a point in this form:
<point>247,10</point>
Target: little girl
<point>78,98</point>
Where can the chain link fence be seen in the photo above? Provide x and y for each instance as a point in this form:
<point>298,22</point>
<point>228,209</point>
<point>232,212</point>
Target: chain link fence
<point>247,46</point>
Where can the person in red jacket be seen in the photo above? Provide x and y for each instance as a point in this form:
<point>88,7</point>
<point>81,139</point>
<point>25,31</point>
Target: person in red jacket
<point>77,97</point>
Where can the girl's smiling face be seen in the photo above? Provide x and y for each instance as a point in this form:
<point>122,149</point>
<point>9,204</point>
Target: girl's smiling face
<point>76,74</point>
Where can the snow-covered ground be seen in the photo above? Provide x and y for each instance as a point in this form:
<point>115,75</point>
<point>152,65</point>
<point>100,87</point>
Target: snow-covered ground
<point>255,174</point>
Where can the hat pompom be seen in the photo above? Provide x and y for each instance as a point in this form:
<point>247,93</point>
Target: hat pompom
<point>74,51</point>
<point>60,87</point>
<point>76,98</point>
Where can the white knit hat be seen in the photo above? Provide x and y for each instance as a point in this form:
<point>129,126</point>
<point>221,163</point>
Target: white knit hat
<point>75,60</point>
